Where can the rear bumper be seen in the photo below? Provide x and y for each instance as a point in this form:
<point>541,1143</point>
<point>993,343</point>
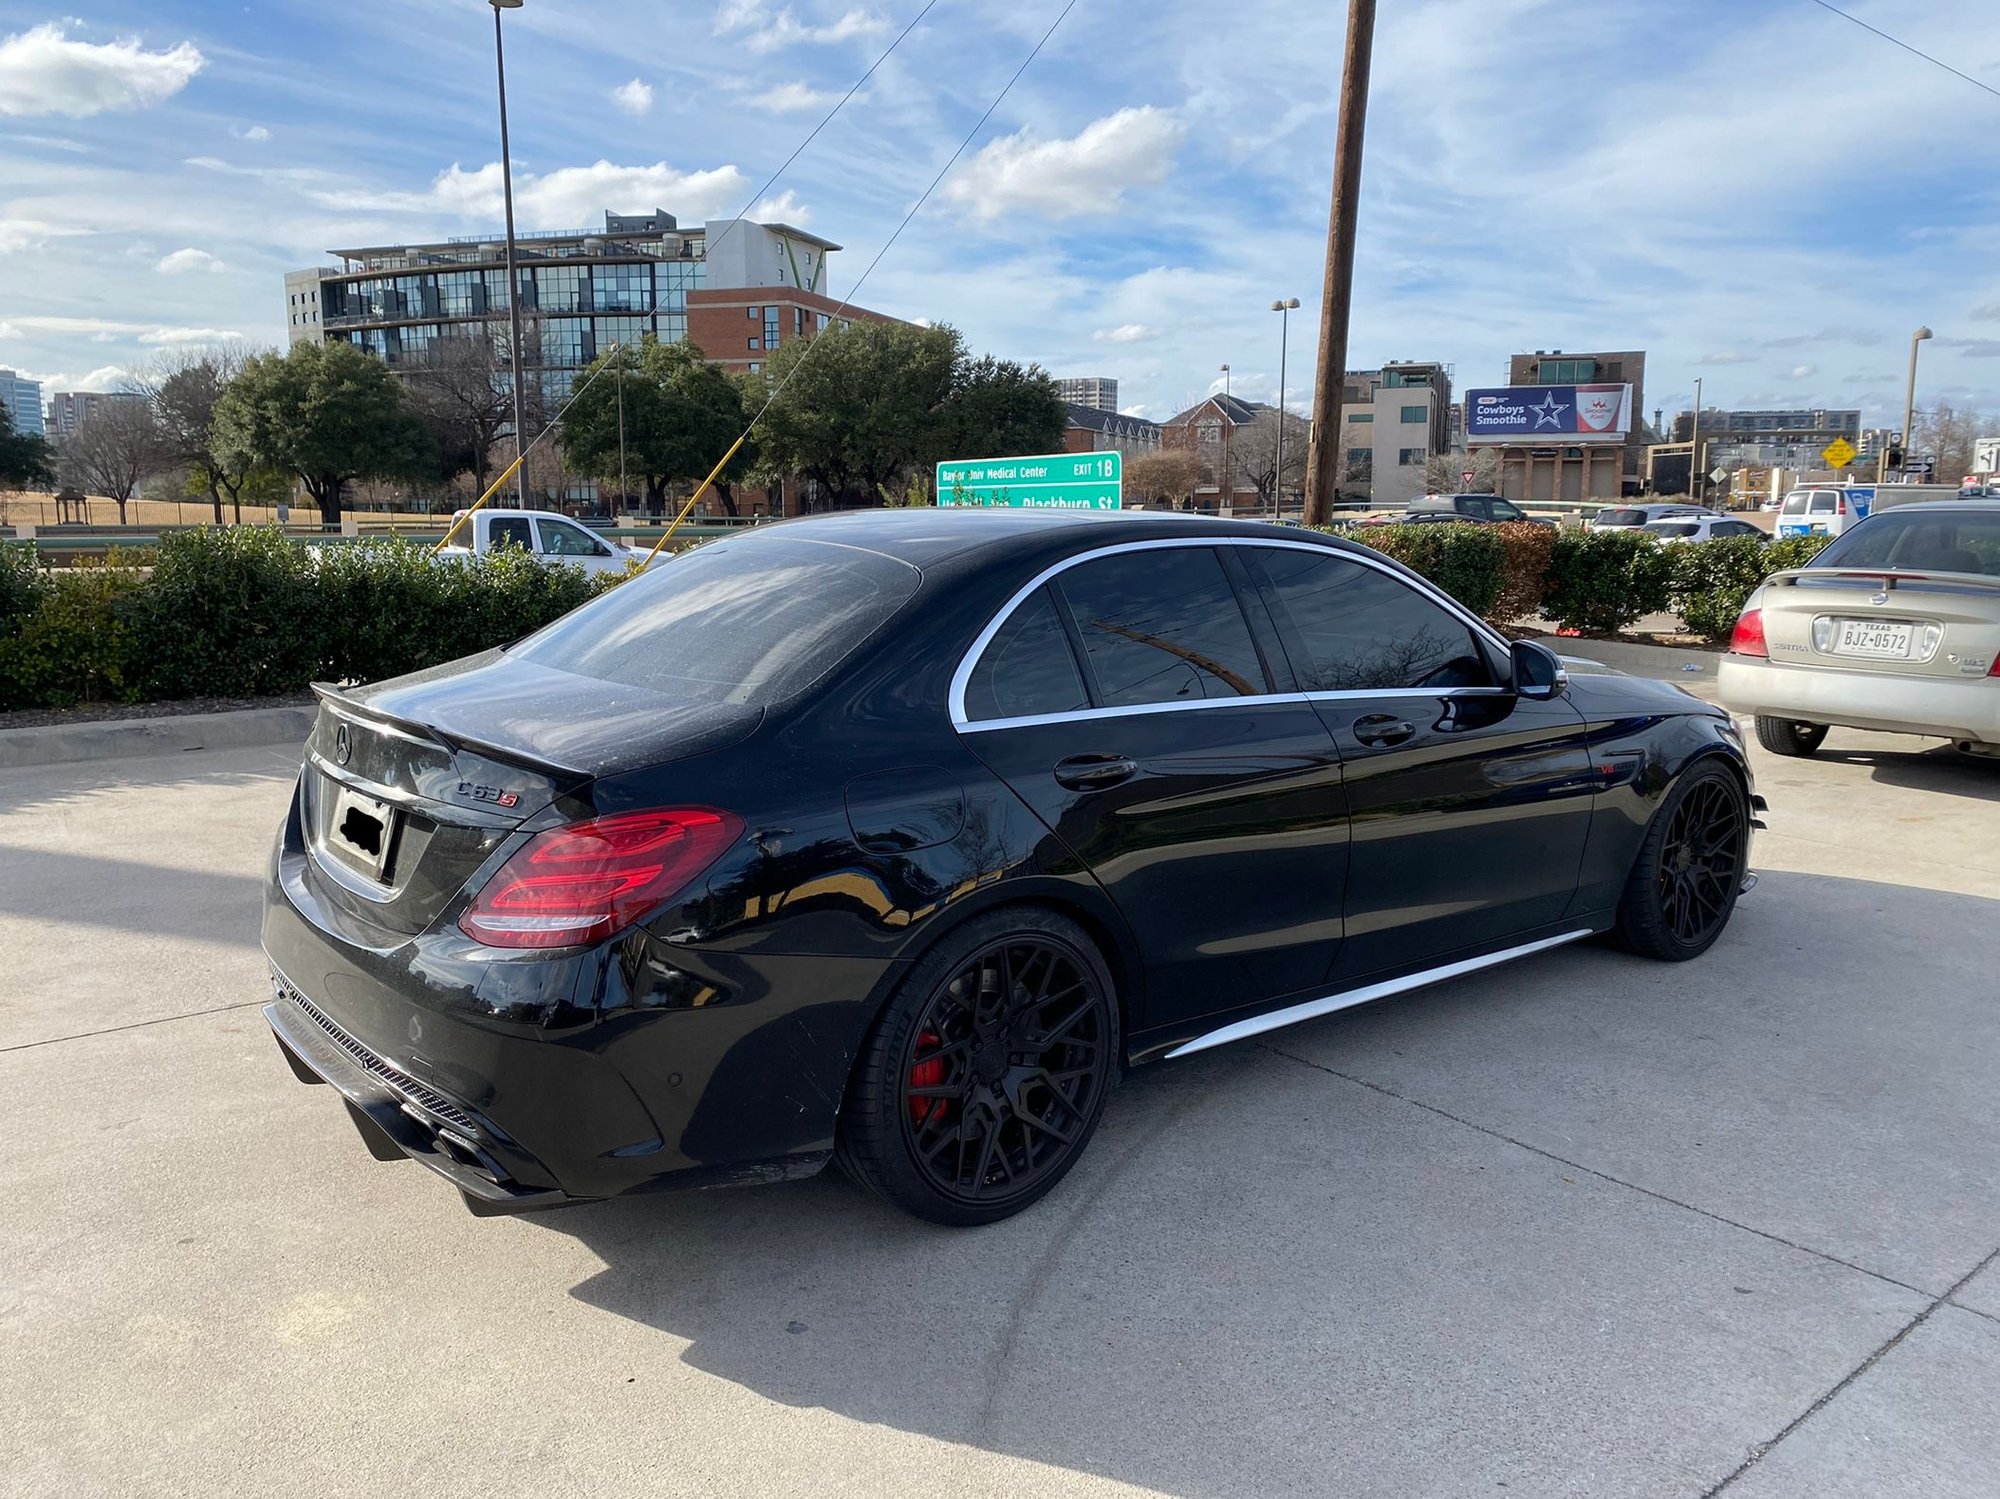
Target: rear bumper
<point>1952,708</point>
<point>398,1116</point>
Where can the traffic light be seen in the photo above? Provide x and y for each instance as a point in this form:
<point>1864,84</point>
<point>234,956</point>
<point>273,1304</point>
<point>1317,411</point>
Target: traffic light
<point>1895,456</point>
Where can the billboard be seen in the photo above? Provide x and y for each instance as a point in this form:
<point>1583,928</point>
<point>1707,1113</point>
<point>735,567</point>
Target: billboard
<point>1542,412</point>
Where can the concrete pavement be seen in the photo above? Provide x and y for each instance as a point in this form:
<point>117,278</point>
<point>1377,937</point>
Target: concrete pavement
<point>1582,1226</point>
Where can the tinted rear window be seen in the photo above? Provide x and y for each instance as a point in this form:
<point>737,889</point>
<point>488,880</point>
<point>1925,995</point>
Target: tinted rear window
<point>1795,503</point>
<point>1621,517</point>
<point>751,619</point>
<point>1673,527</point>
<point>1920,543</point>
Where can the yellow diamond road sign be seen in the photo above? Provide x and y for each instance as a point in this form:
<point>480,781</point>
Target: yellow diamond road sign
<point>1838,453</point>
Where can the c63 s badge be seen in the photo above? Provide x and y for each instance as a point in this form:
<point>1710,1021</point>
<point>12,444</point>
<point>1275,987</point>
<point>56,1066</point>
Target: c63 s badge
<point>492,795</point>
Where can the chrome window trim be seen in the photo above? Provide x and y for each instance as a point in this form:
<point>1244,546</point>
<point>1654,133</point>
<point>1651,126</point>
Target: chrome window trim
<point>1312,1009</point>
<point>962,677</point>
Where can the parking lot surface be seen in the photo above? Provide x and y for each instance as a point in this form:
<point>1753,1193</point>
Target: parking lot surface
<point>1584,1225</point>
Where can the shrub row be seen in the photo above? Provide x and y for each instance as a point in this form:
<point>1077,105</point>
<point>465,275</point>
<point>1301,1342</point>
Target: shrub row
<point>1597,581</point>
<point>243,612</point>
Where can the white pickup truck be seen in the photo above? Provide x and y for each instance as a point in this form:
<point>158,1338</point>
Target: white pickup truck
<point>543,535</point>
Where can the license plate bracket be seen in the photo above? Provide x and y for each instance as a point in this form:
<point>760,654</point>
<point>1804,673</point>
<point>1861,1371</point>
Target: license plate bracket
<point>362,831</point>
<point>1877,639</point>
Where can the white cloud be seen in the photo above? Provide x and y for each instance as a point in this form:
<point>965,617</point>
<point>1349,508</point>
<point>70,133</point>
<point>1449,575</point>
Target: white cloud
<point>1126,333</point>
<point>110,330</point>
<point>190,336</point>
<point>1986,312</point>
<point>1802,372</point>
<point>183,262</point>
<point>44,72</point>
<point>571,197</point>
<point>635,98</point>
<point>785,208</point>
<point>17,235</point>
<point>1062,179</point>
<point>252,133</point>
<point>768,30</point>
<point>799,98</point>
<point>1727,356</point>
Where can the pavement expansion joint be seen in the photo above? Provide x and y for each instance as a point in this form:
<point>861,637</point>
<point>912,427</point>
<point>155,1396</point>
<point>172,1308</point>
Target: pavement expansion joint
<point>1763,1449</point>
<point>112,1030</point>
<point>1603,1176</point>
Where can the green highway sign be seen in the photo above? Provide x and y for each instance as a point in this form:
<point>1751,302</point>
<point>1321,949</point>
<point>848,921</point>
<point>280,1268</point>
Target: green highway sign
<point>1053,481</point>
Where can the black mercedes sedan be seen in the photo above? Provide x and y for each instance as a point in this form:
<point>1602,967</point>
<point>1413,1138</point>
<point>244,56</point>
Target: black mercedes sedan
<point>896,836</point>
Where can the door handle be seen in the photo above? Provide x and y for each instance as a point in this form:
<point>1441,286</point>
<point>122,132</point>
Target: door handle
<point>1382,728</point>
<point>1093,772</point>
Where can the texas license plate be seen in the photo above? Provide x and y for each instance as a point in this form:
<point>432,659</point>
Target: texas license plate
<point>1870,637</point>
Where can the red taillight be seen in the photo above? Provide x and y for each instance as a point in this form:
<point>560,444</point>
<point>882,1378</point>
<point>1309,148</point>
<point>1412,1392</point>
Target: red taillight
<point>1747,639</point>
<point>583,882</point>
<point>1996,668</point>
<point>1841,502</point>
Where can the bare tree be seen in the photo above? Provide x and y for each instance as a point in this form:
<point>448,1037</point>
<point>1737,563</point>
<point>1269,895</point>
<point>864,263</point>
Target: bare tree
<point>112,449</point>
<point>463,395</point>
<point>1256,449</point>
<point>1444,473</point>
<point>1946,432</point>
<point>184,387</point>
<point>1169,475</point>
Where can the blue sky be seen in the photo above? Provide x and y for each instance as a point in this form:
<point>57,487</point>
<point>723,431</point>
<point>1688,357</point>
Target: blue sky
<point>1761,193</point>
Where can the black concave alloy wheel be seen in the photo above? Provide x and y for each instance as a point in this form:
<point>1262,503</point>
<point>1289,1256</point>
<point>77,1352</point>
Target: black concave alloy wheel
<point>1007,1063</point>
<point>1701,861</point>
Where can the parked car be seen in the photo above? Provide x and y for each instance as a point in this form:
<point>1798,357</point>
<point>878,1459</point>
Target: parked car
<point>1699,528</point>
<point>1486,509</point>
<point>898,836</point>
<point>1895,627</point>
<point>1633,517</point>
<point>543,534</point>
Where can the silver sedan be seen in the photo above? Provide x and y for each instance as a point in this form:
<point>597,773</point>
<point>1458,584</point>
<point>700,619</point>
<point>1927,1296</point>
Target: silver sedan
<point>1894,627</point>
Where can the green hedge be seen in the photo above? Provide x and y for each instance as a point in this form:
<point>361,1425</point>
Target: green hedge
<point>1595,581</point>
<point>243,612</point>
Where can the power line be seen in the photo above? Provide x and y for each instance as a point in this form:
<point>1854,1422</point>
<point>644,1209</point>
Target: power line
<point>1913,51</point>
<point>771,181</point>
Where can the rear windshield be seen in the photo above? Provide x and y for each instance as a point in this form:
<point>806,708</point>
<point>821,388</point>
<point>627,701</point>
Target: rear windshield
<point>1926,542</point>
<point>1795,502</point>
<point>1673,528</point>
<point>1822,504</point>
<point>750,619</point>
<point>1621,517</point>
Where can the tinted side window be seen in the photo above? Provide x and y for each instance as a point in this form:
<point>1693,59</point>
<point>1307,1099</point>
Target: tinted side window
<point>1363,629</point>
<point>569,541</point>
<point>1162,626</point>
<point>511,530</point>
<point>1027,668</point>
<point>1502,510</point>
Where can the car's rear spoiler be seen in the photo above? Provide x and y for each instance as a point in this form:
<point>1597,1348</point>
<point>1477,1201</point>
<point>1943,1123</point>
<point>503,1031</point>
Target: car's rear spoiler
<point>1887,580</point>
<point>344,703</point>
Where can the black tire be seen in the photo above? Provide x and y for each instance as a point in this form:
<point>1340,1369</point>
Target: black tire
<point>1690,868</point>
<point>1785,736</point>
<point>985,1075</point>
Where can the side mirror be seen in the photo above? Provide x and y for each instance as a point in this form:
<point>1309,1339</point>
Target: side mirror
<point>1538,671</point>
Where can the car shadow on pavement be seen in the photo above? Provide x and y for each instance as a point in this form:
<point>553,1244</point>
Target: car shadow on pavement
<point>1359,1258</point>
<point>1939,768</point>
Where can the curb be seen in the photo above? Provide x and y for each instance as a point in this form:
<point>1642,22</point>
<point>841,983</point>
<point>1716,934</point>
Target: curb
<point>116,738</point>
<point>1666,662</point>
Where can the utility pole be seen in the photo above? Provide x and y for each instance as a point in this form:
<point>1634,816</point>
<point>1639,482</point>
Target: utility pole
<point>621,424</point>
<point>1321,480</point>
<point>513,276</point>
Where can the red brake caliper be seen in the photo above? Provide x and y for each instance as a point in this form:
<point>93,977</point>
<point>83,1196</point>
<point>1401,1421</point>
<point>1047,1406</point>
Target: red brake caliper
<point>926,1074</point>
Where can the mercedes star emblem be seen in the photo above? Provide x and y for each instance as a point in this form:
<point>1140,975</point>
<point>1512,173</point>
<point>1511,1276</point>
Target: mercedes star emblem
<point>341,748</point>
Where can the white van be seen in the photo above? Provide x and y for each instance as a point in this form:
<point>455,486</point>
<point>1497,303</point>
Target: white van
<point>1818,512</point>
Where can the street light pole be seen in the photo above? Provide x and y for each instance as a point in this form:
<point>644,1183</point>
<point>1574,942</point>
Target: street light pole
<point>1910,398</point>
<point>621,424</point>
<point>513,280</point>
<point>1284,311</point>
<point>1227,478</point>
<point>1694,446</point>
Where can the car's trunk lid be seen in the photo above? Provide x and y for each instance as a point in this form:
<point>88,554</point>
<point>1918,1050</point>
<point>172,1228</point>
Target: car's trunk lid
<point>1898,621</point>
<point>411,785</point>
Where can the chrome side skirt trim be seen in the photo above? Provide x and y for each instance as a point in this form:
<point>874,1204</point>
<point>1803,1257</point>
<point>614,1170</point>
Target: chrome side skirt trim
<point>1313,1008</point>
